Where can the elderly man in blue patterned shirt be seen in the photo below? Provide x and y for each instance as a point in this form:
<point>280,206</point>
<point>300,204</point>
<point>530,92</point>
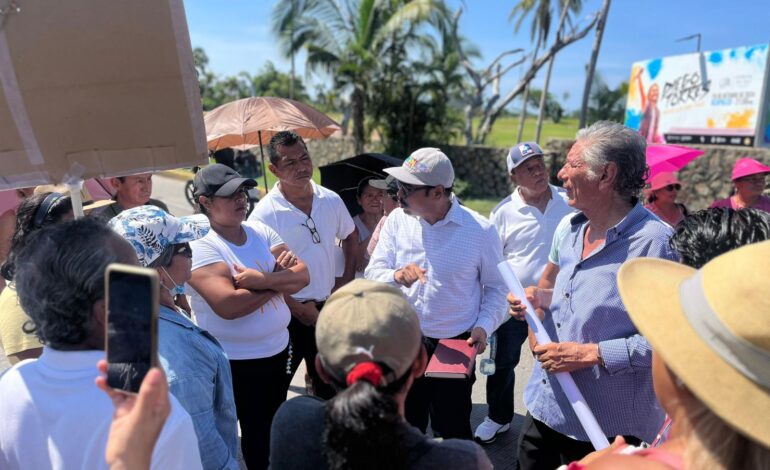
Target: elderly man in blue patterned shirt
<point>594,338</point>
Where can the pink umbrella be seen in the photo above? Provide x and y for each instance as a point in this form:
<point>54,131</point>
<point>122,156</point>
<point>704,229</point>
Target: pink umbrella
<point>667,157</point>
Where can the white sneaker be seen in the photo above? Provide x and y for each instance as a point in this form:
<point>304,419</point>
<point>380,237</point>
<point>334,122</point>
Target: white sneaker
<point>488,430</point>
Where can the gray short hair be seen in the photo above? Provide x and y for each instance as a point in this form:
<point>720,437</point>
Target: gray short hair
<point>609,142</point>
<point>60,275</point>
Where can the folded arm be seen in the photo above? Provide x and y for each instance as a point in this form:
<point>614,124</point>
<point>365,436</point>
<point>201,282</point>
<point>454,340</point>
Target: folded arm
<point>215,284</point>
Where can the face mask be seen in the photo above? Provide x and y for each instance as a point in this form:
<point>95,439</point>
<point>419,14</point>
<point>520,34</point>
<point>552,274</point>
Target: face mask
<point>177,290</point>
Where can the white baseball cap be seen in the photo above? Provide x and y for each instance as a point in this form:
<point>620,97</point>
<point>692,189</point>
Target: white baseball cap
<point>425,167</point>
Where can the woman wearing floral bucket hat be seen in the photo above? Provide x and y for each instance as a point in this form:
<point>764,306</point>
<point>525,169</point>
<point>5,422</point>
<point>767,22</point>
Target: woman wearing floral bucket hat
<point>196,365</point>
<point>710,334</point>
<point>749,178</point>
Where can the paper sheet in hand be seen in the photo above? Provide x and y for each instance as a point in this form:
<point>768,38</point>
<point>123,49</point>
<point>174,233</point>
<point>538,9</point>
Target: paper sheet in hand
<point>576,399</point>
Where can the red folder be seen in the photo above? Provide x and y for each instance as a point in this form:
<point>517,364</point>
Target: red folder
<point>452,359</point>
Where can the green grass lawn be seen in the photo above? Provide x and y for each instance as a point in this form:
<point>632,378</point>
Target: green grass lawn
<point>482,206</point>
<point>504,131</point>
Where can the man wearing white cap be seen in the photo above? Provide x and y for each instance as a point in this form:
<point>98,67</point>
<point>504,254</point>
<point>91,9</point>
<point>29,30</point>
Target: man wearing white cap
<point>444,257</point>
<point>526,221</point>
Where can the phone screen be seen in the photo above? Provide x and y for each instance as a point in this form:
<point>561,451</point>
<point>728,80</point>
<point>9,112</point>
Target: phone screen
<point>130,329</point>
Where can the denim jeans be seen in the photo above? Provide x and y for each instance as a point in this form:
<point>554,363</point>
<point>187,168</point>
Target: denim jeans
<point>510,336</point>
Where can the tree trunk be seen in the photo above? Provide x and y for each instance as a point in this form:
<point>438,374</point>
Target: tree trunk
<point>359,97</point>
<point>544,94</point>
<point>541,113</point>
<point>523,115</point>
<point>592,64</point>
<point>291,77</point>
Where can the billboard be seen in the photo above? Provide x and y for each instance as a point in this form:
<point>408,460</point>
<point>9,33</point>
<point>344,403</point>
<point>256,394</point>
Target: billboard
<point>712,98</point>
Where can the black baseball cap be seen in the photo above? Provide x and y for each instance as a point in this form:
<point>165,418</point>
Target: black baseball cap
<point>219,180</point>
<point>388,184</point>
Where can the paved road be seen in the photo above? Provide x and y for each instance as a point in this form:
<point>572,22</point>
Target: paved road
<point>502,452</point>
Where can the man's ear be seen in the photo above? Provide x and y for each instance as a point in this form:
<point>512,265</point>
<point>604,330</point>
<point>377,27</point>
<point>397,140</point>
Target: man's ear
<point>608,176</point>
<point>512,176</point>
<point>420,363</point>
<point>273,169</point>
<point>99,326</point>
<point>115,183</point>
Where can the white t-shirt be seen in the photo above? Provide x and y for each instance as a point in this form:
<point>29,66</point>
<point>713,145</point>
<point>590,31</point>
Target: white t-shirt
<point>527,233</point>
<point>332,221</point>
<point>261,333</point>
<point>52,416</point>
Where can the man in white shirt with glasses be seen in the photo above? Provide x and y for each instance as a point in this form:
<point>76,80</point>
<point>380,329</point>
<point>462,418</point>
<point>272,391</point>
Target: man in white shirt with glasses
<point>310,219</point>
<point>444,257</point>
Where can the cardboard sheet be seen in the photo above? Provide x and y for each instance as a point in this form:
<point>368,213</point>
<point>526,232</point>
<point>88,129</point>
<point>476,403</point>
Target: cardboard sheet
<point>93,88</point>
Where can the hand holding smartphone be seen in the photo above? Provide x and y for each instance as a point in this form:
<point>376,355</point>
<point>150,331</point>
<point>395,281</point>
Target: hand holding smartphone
<point>132,325</point>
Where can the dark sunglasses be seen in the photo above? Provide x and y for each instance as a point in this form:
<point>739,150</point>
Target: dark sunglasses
<point>310,225</point>
<point>672,187</point>
<point>409,189</point>
<point>183,249</point>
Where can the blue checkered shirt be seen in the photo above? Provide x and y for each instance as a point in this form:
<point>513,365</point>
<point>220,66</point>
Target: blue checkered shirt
<point>586,308</point>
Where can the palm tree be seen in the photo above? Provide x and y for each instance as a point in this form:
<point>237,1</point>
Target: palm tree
<point>349,40</point>
<point>592,64</point>
<point>285,13</point>
<point>566,6</point>
<point>540,28</point>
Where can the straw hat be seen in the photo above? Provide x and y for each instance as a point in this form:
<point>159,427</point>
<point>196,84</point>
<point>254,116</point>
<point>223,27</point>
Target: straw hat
<point>712,328</point>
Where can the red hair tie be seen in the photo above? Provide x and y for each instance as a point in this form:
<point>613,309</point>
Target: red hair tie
<point>369,371</point>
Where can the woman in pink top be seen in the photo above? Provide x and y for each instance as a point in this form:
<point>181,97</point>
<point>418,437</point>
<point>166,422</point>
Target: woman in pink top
<point>661,199</point>
<point>749,179</point>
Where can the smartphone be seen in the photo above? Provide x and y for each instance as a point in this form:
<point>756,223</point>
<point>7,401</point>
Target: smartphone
<point>131,339</point>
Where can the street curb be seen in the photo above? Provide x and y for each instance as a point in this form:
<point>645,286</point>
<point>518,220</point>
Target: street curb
<point>181,175</point>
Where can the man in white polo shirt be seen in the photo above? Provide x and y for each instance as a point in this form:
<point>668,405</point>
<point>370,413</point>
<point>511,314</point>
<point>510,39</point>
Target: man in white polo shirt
<point>52,415</point>
<point>310,219</point>
<point>444,257</point>
<point>526,221</point>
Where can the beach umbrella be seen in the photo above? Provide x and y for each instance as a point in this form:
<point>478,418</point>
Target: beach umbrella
<point>669,158</point>
<point>343,176</point>
<point>252,121</point>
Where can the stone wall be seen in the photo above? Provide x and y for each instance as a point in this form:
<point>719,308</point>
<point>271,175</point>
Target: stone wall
<point>484,169</point>
<point>703,180</point>
<point>334,149</point>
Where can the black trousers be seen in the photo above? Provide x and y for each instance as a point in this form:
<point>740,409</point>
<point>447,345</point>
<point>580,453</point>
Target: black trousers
<point>303,347</point>
<point>445,402</point>
<point>509,336</point>
<point>542,448</point>
<point>259,388</point>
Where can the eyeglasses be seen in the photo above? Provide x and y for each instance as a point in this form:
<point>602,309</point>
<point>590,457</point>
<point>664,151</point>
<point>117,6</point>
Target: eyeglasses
<point>408,189</point>
<point>310,225</point>
<point>183,249</point>
<point>672,187</point>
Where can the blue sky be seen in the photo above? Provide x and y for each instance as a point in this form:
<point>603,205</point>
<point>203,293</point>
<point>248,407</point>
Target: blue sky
<point>236,35</point>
